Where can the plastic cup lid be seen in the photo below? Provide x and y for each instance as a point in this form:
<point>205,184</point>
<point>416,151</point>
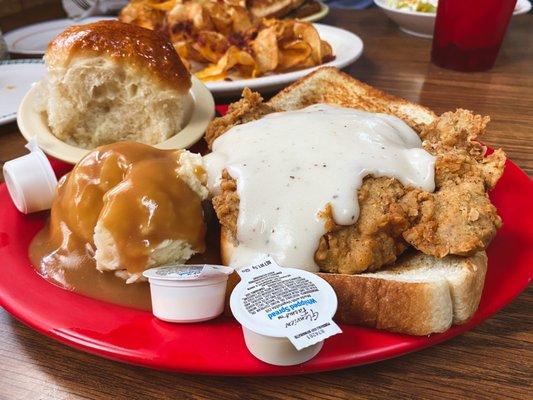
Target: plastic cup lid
<point>187,272</point>
<point>284,302</point>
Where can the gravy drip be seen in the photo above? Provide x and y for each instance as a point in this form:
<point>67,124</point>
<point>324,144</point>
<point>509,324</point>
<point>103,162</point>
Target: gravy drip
<point>289,166</point>
<point>135,191</point>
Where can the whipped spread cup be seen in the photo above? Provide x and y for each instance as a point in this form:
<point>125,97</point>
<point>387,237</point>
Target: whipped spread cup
<point>188,293</point>
<point>30,180</point>
<point>285,313</point>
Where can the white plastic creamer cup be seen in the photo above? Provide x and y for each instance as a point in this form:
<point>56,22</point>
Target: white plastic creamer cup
<point>278,350</point>
<point>188,293</point>
<point>285,313</point>
<point>30,180</point>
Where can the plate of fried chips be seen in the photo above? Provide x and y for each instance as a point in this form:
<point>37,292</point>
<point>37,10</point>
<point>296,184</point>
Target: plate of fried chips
<point>346,47</point>
<point>228,48</point>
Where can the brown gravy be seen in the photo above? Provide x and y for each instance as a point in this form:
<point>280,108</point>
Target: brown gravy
<point>133,190</point>
<point>79,273</point>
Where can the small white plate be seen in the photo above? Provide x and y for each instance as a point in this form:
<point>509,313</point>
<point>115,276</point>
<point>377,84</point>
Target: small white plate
<point>32,124</point>
<point>16,78</point>
<point>324,10</point>
<point>422,24</point>
<point>33,39</point>
<point>347,47</point>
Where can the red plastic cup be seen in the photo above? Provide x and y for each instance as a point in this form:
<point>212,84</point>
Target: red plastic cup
<point>468,33</point>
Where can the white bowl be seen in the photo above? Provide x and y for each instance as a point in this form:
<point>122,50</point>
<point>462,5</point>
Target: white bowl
<point>422,24</point>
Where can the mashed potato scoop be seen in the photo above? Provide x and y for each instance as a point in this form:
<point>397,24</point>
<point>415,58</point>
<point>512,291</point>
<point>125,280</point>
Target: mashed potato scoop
<point>131,207</point>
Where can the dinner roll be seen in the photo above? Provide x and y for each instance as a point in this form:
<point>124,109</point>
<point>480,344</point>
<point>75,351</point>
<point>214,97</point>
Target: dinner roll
<point>110,81</point>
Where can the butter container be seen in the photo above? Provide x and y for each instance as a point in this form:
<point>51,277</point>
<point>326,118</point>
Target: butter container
<point>285,313</point>
<point>30,180</point>
<point>278,350</point>
<point>188,293</point>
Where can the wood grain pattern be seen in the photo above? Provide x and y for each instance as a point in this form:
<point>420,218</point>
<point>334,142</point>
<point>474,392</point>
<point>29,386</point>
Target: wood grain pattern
<point>493,361</point>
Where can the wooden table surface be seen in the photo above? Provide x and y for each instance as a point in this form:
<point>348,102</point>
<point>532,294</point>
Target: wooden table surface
<point>492,361</point>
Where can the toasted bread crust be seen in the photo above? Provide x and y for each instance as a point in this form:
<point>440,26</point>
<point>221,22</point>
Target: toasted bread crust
<point>416,308</point>
<point>324,85</point>
<point>331,86</point>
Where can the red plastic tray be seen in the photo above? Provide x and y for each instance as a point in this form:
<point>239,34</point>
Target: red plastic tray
<point>217,347</point>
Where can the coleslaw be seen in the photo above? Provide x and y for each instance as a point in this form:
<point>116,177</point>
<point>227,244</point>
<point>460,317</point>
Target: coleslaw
<point>425,6</point>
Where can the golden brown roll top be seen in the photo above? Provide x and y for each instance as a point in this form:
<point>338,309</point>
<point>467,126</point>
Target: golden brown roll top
<point>139,48</point>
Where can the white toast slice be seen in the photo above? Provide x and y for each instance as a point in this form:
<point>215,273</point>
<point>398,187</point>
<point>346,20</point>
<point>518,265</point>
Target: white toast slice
<point>419,295</point>
<point>331,86</point>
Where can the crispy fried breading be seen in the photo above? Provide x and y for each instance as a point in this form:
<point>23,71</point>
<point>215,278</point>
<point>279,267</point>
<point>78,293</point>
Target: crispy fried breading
<point>249,108</point>
<point>375,239</point>
<point>226,204</point>
<point>455,130</point>
<point>458,218</point>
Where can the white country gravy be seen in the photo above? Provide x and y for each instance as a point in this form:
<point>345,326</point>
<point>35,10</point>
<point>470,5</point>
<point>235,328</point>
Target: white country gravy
<point>288,166</point>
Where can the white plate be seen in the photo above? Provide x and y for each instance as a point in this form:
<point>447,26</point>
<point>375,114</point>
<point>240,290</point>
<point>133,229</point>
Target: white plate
<point>33,39</point>
<point>200,106</point>
<point>422,24</point>
<point>16,78</point>
<point>324,10</point>
<point>347,47</point>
